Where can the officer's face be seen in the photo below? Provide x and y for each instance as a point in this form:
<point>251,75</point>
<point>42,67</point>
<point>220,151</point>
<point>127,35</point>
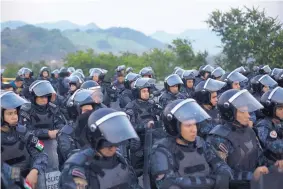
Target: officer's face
<point>265,89</point>
<point>108,151</point>
<point>147,76</point>
<point>279,112</point>
<point>56,75</point>
<point>86,108</point>
<point>189,130</point>
<point>45,74</point>
<point>213,98</point>
<point>73,87</point>
<point>243,116</point>
<point>190,83</point>
<point>11,117</point>
<point>206,75</point>
<point>236,85</point>
<point>95,78</point>
<point>120,79</point>
<point>27,75</point>
<point>174,89</point>
<point>41,100</point>
<point>144,94</point>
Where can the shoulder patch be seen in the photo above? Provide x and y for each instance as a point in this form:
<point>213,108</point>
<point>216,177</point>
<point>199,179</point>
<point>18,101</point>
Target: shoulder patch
<point>26,107</point>
<point>273,134</point>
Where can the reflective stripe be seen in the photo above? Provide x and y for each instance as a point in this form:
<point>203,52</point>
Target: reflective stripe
<point>108,116</point>
<point>237,95</point>
<point>181,104</point>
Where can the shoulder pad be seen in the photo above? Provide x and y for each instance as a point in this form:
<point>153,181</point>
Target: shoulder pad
<point>81,157</point>
<point>26,107</point>
<point>164,142</point>
<point>130,105</point>
<point>264,122</point>
<point>67,129</point>
<point>220,130</point>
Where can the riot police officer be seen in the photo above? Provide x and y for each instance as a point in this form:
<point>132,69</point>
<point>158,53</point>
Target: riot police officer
<point>148,72</point>
<point>188,78</point>
<point>279,78</point>
<point>270,129</point>
<point>172,85</point>
<point>144,113</point>
<point>261,84</point>
<point>102,166</point>
<point>43,118</point>
<point>204,73</point>
<point>217,73</point>
<point>28,79</point>
<point>44,74</point>
<point>63,86</point>
<point>20,148</point>
<point>54,78</point>
<point>235,141</point>
<point>127,96</point>
<point>184,160</point>
<point>129,70</point>
<point>207,97</point>
<point>233,80</point>
<point>73,135</point>
<point>264,69</point>
<point>98,75</point>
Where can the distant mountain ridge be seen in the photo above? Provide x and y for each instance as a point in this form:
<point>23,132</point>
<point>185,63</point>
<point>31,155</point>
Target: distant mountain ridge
<point>61,25</point>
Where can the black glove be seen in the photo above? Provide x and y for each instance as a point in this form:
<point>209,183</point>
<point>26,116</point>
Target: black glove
<point>222,181</point>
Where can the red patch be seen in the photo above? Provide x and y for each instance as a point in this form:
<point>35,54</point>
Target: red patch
<point>78,173</point>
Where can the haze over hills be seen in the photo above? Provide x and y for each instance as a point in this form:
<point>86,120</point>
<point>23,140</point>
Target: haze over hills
<point>202,39</point>
<point>28,41</point>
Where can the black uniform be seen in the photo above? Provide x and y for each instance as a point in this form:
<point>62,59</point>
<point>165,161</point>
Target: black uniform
<point>91,166</point>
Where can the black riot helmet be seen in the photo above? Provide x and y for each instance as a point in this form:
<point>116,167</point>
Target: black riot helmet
<point>279,78</point>
<point>41,88</point>
<point>275,71</point>
<point>232,100</point>
<point>54,73</point>
<point>232,77</point>
<point>147,72</point>
<point>142,83</point>
<point>83,97</point>
<point>179,72</point>
<point>75,80</point>
<point>259,81</point>
<point>90,85</point>
<point>129,70</point>
<point>98,72</point>
<point>271,100</point>
<point>188,75</point>
<point>179,111</point>
<point>10,100</point>
<point>217,73</point>
<point>44,69</point>
<point>205,69</point>
<point>108,127</point>
<point>130,77</point>
<point>79,74</point>
<point>27,71</point>
<point>264,69</point>
<point>172,80</point>
<point>63,72</point>
<point>204,89</point>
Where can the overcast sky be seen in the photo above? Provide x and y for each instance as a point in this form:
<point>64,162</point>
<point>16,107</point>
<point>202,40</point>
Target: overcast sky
<point>148,16</point>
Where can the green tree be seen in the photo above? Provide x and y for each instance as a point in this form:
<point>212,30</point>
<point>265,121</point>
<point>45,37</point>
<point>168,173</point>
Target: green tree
<point>185,56</point>
<point>245,34</point>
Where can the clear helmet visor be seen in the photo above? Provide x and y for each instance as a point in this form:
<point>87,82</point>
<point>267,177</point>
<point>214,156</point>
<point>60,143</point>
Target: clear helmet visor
<point>276,95</point>
<point>173,79</point>
<point>188,110</point>
<point>236,77</point>
<point>116,127</point>
<point>214,85</point>
<point>10,100</point>
<point>218,72</point>
<point>245,102</point>
<point>266,80</point>
<point>42,88</point>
